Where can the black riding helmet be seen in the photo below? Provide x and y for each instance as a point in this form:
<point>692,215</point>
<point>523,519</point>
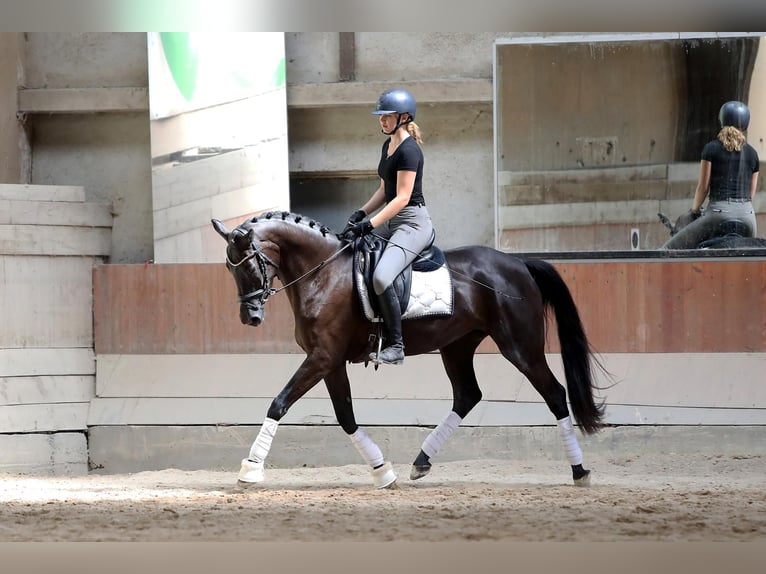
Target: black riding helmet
<point>734,114</point>
<point>396,101</point>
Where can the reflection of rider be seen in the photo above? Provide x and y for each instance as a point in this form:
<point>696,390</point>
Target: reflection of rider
<point>404,219</point>
<point>729,172</point>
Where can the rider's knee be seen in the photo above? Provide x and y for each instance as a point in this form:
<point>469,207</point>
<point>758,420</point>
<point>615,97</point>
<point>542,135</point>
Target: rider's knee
<point>380,284</point>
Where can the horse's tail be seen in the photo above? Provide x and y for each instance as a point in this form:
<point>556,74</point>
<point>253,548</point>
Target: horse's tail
<point>576,352</point>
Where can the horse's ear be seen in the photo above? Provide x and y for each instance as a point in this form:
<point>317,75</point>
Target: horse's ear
<point>241,238</point>
<point>220,229</point>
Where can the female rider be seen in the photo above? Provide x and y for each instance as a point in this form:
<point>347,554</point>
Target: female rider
<point>729,173</point>
<point>403,220</point>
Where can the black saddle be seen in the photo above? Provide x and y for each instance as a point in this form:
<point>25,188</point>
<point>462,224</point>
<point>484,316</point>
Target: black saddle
<point>729,234</point>
<point>367,252</point>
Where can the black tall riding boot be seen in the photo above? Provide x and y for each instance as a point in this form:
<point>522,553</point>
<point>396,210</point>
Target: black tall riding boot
<point>390,309</point>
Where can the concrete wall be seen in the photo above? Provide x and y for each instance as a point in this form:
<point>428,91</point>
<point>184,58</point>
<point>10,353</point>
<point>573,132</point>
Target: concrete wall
<point>344,140</point>
<point>108,156</point>
<point>458,174</point>
<point>12,141</point>
<point>50,238</point>
<point>107,152</point>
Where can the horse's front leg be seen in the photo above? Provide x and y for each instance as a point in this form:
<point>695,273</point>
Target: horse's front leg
<point>308,374</point>
<point>339,389</point>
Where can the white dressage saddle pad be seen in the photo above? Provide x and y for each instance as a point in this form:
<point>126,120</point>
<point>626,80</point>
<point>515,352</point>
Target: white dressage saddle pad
<point>431,295</point>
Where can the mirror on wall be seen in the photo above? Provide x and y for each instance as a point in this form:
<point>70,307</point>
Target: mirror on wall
<point>596,135</point>
<point>218,119</point>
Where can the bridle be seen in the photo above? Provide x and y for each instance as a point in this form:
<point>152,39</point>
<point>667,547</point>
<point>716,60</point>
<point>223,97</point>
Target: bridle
<point>261,295</point>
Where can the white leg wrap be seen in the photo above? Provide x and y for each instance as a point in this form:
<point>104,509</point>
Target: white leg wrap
<point>435,441</point>
<point>262,445</point>
<point>370,452</point>
<point>569,440</point>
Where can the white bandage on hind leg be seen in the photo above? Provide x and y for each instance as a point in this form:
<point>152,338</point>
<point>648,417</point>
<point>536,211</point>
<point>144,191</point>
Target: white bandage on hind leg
<point>435,441</point>
<point>370,452</point>
<point>569,440</point>
<point>262,444</point>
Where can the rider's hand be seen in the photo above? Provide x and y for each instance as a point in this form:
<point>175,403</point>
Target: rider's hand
<point>356,217</point>
<point>359,229</point>
<point>348,233</point>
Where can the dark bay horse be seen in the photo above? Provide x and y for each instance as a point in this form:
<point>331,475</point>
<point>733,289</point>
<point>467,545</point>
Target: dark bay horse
<point>495,295</point>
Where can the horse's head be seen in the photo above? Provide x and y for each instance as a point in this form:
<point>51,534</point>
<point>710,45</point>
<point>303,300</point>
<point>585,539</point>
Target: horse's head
<point>249,265</point>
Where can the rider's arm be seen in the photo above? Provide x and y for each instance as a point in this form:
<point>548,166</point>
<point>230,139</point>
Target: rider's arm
<point>378,199</point>
<point>703,185</point>
<point>405,182</point>
<point>753,185</point>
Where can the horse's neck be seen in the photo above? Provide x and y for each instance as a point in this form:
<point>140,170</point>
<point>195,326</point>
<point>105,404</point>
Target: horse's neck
<point>300,249</point>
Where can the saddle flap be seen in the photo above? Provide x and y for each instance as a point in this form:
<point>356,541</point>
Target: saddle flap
<point>367,252</point>
<point>423,290</point>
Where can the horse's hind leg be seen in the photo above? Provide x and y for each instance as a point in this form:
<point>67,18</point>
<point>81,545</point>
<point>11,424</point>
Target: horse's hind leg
<point>339,389</point>
<point>458,363</point>
<point>536,369</point>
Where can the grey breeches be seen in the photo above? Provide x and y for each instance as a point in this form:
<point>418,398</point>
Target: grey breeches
<point>408,233</point>
<point>706,227</point>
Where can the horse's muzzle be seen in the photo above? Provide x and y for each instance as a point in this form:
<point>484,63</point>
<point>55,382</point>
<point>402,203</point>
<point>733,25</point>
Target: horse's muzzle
<point>250,315</point>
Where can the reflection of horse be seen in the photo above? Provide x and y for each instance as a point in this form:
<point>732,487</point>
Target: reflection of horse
<point>495,295</point>
<point>729,235</point>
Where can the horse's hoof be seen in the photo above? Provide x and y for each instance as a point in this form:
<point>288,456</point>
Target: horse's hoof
<point>250,473</point>
<point>584,480</point>
<point>419,471</point>
<point>384,476</point>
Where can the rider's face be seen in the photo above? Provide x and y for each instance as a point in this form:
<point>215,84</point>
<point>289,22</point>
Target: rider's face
<point>388,121</point>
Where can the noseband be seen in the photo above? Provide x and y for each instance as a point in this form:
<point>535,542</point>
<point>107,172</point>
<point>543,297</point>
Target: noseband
<point>259,295</point>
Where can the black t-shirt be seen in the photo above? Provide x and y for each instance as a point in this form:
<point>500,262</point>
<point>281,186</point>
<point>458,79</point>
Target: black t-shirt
<point>731,171</point>
<point>407,157</point>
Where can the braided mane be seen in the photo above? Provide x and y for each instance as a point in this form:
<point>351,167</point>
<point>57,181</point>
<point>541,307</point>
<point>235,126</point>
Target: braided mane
<point>288,217</point>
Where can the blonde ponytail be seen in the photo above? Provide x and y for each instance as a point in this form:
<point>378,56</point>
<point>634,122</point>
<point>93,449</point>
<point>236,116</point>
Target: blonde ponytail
<point>414,130</point>
<point>731,138</point>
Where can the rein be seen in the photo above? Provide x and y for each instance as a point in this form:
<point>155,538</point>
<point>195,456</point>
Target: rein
<point>313,269</point>
<point>264,293</point>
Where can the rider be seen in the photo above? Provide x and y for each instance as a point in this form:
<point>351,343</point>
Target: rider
<point>403,220</point>
<point>729,172</point>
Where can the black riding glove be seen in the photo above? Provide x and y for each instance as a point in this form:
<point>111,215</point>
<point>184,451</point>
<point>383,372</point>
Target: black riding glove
<point>359,229</point>
<point>356,217</point>
<point>353,220</point>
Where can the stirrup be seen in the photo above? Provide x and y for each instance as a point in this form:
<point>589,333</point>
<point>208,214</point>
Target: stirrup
<point>375,354</point>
